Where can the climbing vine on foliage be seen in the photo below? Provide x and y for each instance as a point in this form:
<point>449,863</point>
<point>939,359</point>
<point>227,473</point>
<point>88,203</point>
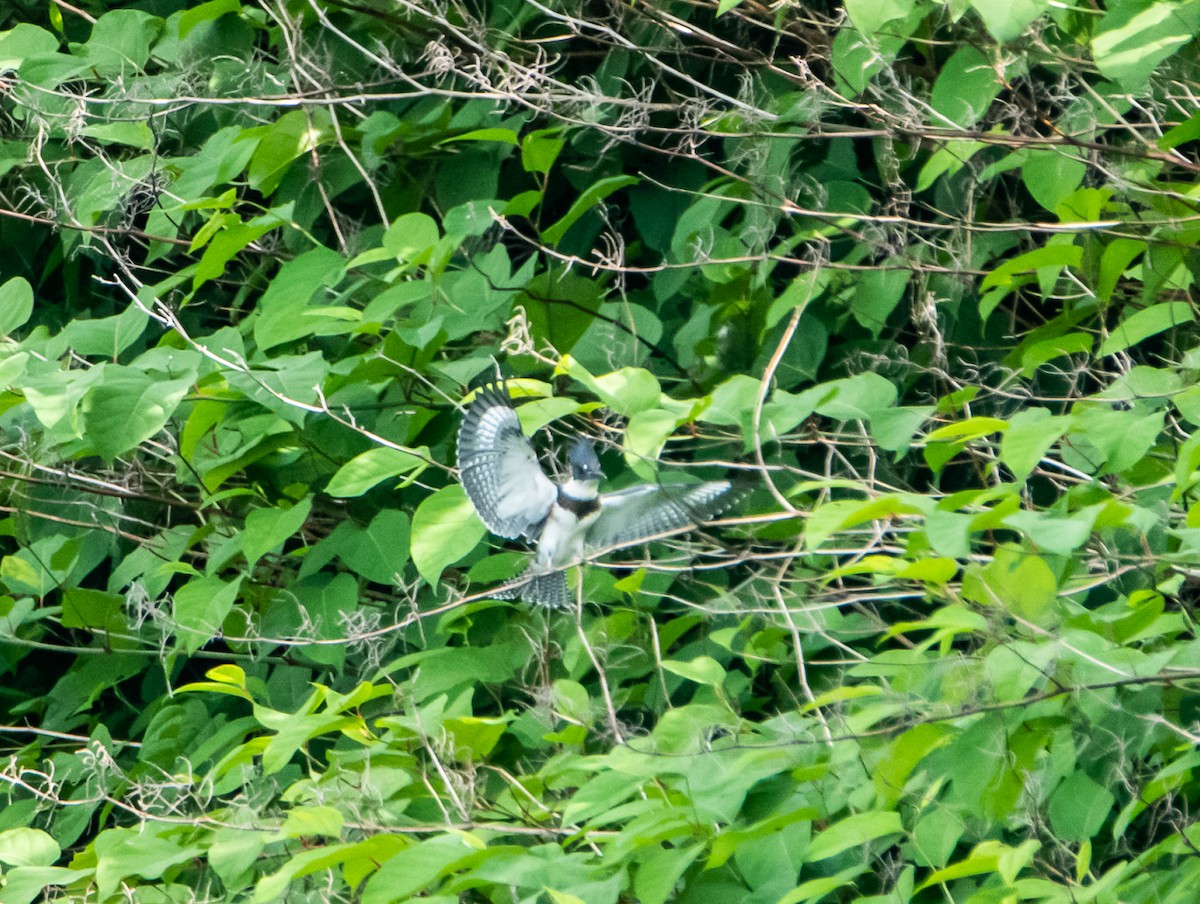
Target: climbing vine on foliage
<point>921,274</point>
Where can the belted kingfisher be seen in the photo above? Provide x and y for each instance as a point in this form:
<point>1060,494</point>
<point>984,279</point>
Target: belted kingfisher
<point>569,521</point>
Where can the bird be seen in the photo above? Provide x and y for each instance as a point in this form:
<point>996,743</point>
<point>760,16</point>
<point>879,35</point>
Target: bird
<point>570,521</point>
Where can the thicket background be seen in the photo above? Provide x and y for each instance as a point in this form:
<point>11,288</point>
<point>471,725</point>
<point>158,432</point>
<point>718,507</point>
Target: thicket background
<point>922,273</point>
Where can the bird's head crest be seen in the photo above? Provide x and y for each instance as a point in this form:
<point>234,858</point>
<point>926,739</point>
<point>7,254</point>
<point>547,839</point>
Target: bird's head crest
<point>585,465</point>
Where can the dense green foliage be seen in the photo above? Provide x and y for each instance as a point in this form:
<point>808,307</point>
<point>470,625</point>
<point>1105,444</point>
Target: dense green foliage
<point>923,273</point>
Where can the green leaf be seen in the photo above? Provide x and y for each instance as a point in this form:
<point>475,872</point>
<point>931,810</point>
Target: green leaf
<point>1145,323</point>
<point>206,12</point>
<point>28,847</point>
<point>279,144</point>
<point>267,528</point>
<point>856,398</point>
<point>1007,19</point>
<point>702,670</point>
<point>1029,436</point>
<point>128,407</point>
<point>626,391</point>
<point>25,884</point>
<point>380,551</point>
<point>645,435</point>
<point>24,41</point>
<point>1133,39</point>
<point>502,136</point>
<point>282,307</point>
<point>411,237</point>
<point>445,528</point>
<point>869,15</point>
<point>16,304</point>
<point>876,296</point>
<point>107,336</point>
<point>1079,807</point>
<point>1019,581</point>
<point>416,868</point>
<point>814,890</point>
<point>312,821</point>
<point>1053,257</point>
<point>585,202</point>
<point>965,88</point>
<point>1052,175</point>
<point>540,149</point>
<point>1117,256</point>
<point>119,45</point>
<point>201,606</point>
<point>363,471</point>
<point>854,832</point>
<point>131,134</point>
<point>146,852</point>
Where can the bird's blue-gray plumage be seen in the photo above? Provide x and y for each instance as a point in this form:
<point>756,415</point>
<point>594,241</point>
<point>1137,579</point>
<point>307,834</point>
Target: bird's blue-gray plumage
<point>567,522</point>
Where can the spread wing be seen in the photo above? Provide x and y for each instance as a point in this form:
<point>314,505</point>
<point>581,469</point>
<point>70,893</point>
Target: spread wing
<point>632,515</point>
<point>498,467</point>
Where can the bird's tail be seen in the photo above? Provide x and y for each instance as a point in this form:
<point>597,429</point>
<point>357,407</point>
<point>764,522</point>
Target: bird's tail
<point>547,589</point>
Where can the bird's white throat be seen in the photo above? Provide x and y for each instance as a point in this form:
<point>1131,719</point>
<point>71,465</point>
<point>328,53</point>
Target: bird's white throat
<point>584,490</point>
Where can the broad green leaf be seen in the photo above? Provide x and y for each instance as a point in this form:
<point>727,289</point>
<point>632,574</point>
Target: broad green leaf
<point>28,847</point>
<point>702,670</point>
<point>1133,39</point>
<point>119,45</point>
<point>876,296</point>
<point>310,821</point>
<point>283,306</point>
<point>1047,257</point>
<point>659,871</point>
<point>1052,175</point>
<point>416,868</point>
<point>279,144</point>
<point>585,202</point>
<point>16,304</point>
<point>856,398</point>
<point>970,429</point>
<point>985,858</point>
<point>364,471</point>
<point>26,884</point>
<point>540,149</point>
<point>1030,435</point>
<point>146,852</point>
<point>1079,807</point>
<point>1118,255</point>
<point>445,528</point>
<point>267,528</point>
<point>502,136</point>
<point>626,391</point>
<point>206,12</point>
<point>869,15</point>
<point>107,336</point>
<point>645,435</point>
<point>813,890</point>
<point>1040,353</point>
<point>949,159</point>
<point>475,736</point>
<point>1019,581</point>
<point>853,832</point>
<point>1007,19</point>
<point>127,407</point>
<point>1146,323</point>
<point>22,41</point>
<point>131,134</point>
<point>965,88</point>
<point>200,608</point>
<point>411,237</point>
